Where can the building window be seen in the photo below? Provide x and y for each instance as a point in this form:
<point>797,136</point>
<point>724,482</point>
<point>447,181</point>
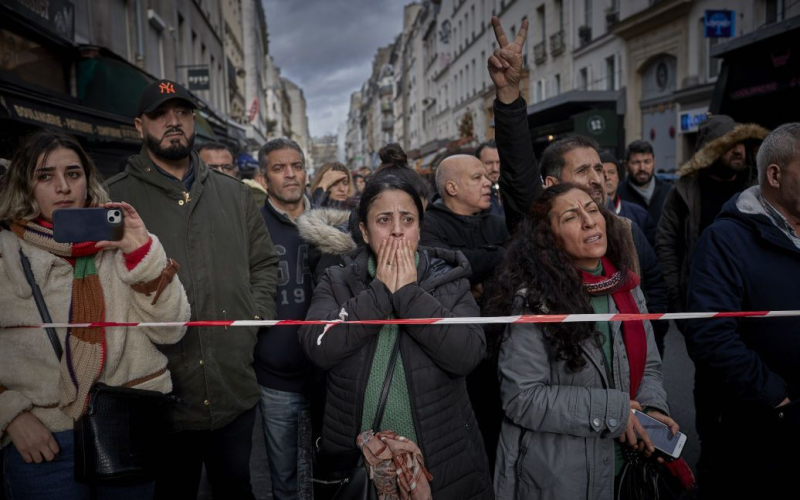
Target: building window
<point>587,13</point>
<point>583,79</point>
<point>559,6</point>
<point>540,95</point>
<point>540,23</point>
<point>556,84</point>
<point>775,11</point>
<point>611,73</point>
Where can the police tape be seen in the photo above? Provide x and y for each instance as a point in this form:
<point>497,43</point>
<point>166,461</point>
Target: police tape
<point>528,318</point>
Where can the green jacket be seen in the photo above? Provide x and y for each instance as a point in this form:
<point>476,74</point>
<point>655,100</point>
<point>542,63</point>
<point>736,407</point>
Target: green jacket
<point>229,268</point>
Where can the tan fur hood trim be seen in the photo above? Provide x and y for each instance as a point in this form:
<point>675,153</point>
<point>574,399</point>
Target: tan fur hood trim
<point>320,227</point>
<point>719,146</point>
<point>253,184</point>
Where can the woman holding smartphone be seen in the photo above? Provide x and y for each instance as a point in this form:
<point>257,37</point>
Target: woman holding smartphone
<point>41,396</point>
<point>567,389</point>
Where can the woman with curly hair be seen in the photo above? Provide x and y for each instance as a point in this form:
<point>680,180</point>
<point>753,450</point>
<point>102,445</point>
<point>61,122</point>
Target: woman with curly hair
<point>568,389</point>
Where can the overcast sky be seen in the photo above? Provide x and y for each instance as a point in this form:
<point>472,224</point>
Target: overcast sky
<point>327,46</point>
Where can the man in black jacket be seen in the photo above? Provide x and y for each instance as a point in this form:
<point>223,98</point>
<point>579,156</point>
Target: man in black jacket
<point>641,186</point>
<point>284,372</point>
<point>573,159</point>
<point>459,217</point>
<point>747,381</point>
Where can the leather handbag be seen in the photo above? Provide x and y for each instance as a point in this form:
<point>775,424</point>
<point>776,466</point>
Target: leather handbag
<point>343,475</point>
<point>643,478</point>
<point>118,439</point>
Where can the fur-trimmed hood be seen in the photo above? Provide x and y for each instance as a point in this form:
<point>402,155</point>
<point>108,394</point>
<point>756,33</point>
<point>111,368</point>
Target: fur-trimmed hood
<point>327,229</point>
<point>714,149</point>
<point>254,185</point>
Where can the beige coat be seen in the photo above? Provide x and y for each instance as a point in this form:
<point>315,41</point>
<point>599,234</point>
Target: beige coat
<point>29,369</point>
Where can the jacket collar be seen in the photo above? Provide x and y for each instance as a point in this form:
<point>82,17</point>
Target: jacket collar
<point>142,167</point>
<point>436,267</point>
<point>436,204</point>
<point>327,229</point>
<point>747,208</point>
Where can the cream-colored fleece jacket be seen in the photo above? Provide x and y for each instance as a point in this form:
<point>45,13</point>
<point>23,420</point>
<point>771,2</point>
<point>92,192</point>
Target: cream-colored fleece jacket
<point>29,369</point>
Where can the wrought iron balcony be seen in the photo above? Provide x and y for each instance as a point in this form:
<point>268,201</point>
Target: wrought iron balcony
<point>557,43</point>
<point>540,53</point>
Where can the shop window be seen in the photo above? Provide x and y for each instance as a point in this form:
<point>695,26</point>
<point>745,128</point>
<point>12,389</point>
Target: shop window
<point>31,62</point>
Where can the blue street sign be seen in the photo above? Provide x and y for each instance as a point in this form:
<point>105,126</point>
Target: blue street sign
<point>720,23</point>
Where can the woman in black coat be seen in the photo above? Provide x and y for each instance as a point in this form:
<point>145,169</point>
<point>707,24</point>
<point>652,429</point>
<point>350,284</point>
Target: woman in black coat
<point>427,402</point>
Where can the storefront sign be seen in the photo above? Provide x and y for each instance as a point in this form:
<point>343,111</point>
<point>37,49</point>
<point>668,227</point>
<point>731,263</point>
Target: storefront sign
<point>199,79</point>
<point>253,110</point>
<point>68,121</point>
<point>689,119</point>
<point>56,16</point>
<point>599,124</point>
<point>720,23</point>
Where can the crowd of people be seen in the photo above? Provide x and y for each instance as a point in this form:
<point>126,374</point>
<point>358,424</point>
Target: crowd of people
<point>451,411</point>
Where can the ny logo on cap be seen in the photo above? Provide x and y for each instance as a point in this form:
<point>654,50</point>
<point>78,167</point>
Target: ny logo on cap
<point>166,88</point>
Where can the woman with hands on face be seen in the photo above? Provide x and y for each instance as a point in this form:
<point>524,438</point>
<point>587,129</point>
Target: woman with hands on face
<point>41,396</point>
<point>427,402</point>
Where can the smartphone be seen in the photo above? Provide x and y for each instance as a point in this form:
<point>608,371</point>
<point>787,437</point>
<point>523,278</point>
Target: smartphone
<point>670,446</point>
<point>76,225</point>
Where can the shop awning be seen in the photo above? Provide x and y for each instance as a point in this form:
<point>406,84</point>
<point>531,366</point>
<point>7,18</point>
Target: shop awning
<point>205,133</point>
<point>564,106</point>
<point>759,76</point>
<point>20,104</point>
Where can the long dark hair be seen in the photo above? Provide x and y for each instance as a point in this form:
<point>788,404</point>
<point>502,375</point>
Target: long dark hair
<point>535,262</point>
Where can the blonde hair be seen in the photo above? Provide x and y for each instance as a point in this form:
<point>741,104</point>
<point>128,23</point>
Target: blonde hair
<point>334,165</point>
<point>17,201</point>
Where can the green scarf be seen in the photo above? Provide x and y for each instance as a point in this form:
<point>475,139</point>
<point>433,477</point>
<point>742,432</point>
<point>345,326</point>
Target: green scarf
<point>397,416</point>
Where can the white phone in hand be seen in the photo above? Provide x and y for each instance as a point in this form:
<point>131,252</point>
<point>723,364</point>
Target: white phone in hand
<point>663,440</point>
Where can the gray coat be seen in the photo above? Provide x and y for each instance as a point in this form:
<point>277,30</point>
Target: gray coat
<point>557,440</point>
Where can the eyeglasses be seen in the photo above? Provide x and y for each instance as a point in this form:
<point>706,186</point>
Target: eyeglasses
<point>224,167</point>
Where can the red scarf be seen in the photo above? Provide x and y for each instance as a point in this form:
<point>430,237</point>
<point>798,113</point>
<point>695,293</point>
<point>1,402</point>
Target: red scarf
<point>633,333</point>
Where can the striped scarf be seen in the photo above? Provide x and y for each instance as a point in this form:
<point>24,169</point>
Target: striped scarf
<point>85,349</point>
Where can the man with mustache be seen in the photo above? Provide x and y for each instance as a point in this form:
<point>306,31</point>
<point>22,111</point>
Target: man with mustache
<point>641,186</point>
<point>717,171</point>
<point>208,222</point>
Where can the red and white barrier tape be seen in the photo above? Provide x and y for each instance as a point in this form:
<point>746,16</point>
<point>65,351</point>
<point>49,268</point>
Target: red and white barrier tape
<point>531,318</point>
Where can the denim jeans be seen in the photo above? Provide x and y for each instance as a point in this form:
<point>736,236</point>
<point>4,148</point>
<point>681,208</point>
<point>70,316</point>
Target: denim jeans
<point>56,480</point>
<point>279,411</point>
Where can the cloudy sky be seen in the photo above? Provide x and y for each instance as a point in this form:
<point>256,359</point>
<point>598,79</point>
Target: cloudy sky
<point>327,46</point>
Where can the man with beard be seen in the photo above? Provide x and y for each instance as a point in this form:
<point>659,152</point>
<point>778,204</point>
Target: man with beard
<point>642,186</point>
<point>715,173</point>
<point>573,159</point>
<point>208,222</point>
<point>487,154</point>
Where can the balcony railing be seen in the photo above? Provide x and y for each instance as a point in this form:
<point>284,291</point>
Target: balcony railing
<point>540,53</point>
<point>557,43</point>
<point>387,125</point>
<point>387,107</point>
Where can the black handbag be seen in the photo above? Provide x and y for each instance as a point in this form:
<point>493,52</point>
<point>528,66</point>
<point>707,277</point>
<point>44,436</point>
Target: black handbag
<point>119,438</point>
<point>343,475</point>
<point>643,478</point>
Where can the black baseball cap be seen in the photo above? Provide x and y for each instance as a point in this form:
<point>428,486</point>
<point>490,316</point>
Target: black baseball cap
<point>161,91</point>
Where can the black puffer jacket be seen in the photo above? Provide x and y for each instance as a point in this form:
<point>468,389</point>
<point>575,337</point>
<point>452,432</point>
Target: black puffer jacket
<point>435,359</point>
<point>479,237</point>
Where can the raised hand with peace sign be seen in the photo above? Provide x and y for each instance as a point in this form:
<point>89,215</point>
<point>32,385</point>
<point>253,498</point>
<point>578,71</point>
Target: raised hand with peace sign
<point>505,64</point>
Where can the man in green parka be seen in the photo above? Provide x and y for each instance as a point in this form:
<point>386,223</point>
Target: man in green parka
<point>207,221</point>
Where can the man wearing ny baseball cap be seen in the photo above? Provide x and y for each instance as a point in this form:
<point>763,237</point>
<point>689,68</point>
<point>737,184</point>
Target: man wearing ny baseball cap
<point>208,222</point>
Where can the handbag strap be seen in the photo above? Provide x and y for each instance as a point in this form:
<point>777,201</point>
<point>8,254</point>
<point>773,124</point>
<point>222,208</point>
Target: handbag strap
<point>387,382</point>
<point>41,305</point>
